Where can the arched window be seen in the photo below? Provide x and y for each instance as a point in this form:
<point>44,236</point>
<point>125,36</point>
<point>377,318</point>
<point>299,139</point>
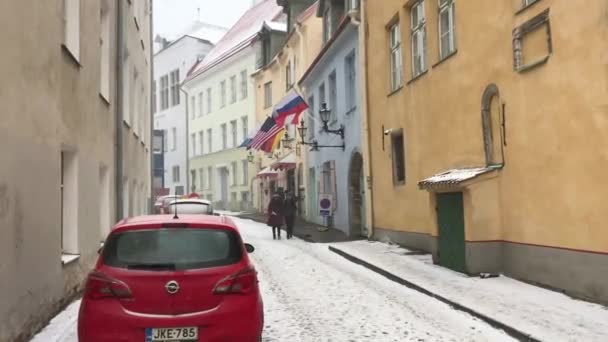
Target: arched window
<point>492,123</point>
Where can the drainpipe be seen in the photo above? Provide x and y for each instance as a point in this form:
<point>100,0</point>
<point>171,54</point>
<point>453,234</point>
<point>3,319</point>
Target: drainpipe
<point>119,112</point>
<point>187,144</point>
<point>363,36</point>
<point>151,140</point>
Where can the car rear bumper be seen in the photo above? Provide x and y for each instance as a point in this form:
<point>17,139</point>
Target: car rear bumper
<point>234,320</point>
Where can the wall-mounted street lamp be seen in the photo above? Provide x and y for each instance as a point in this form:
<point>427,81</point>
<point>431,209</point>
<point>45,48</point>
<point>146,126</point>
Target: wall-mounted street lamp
<point>251,158</point>
<point>286,141</point>
<point>315,144</point>
<point>325,114</point>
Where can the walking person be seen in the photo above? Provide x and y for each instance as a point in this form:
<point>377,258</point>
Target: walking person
<point>290,207</point>
<point>275,215</point>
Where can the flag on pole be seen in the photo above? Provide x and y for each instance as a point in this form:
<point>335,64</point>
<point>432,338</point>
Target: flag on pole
<point>273,143</point>
<point>267,131</point>
<point>289,109</point>
<point>247,142</point>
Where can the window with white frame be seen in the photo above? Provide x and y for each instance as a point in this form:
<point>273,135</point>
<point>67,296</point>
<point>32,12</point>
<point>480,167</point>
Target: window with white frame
<point>176,174</point>
<point>153,96</point>
<point>202,179</point>
<point>396,62</point>
<point>311,117</point>
<point>350,81</point>
<point>164,92</point>
<point>166,140</point>
<point>209,140</point>
<point>327,24</point>
<point>69,203</point>
<point>173,139</point>
<point>224,129</point>
<point>333,97</point>
<point>268,95</point>
<point>104,45</point>
<point>223,94</point>
<point>233,171</point>
<point>201,143</point>
<point>192,107</point>
<point>209,178</point>
<point>232,89</point>
<point>418,27</point>
<point>208,100</point>
<point>233,133</point>
<point>447,28</point>
<point>175,87</point>
<point>193,144</point>
<point>71,27</point>
<point>288,76</point>
<point>193,178</point>
<point>245,127</point>
<point>322,95</point>
<point>244,84</point>
<point>245,166</point>
<point>200,104</point>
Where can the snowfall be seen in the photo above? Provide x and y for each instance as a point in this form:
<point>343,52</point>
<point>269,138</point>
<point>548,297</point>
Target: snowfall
<point>312,294</point>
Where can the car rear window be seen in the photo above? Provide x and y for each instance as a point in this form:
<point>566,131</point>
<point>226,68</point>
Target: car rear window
<point>172,248</point>
<point>190,208</point>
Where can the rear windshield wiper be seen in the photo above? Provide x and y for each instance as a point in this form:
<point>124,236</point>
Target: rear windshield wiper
<point>167,266</point>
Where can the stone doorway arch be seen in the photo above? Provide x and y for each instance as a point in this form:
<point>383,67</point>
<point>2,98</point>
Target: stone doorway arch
<point>356,195</point>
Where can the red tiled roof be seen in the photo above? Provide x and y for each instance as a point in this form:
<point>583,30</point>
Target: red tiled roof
<point>240,35</point>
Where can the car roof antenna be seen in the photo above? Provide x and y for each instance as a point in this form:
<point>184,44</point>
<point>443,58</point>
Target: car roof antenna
<point>175,217</point>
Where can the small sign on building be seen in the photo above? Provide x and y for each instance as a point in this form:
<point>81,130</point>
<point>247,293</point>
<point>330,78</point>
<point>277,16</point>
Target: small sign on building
<point>326,204</point>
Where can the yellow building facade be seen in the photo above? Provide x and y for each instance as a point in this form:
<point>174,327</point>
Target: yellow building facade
<point>484,117</point>
<point>273,80</point>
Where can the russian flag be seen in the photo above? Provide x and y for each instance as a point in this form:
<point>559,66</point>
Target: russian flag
<point>289,109</point>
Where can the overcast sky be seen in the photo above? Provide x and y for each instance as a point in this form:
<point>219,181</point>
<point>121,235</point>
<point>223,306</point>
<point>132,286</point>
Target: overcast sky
<point>172,16</point>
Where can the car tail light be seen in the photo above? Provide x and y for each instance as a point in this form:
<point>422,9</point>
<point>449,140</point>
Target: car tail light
<point>101,286</point>
<point>242,282</point>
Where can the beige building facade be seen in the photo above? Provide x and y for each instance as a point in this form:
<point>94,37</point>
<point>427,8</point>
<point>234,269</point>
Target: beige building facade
<point>59,192</point>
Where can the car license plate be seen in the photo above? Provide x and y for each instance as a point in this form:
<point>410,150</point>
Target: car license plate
<point>171,334</point>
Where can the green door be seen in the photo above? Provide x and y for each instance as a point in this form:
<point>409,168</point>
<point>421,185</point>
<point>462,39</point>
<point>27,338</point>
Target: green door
<point>450,218</point>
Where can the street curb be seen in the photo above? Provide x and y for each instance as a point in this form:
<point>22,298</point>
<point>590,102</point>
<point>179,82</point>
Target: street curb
<point>513,332</point>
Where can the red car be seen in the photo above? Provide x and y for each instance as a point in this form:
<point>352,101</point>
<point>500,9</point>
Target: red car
<point>164,279</point>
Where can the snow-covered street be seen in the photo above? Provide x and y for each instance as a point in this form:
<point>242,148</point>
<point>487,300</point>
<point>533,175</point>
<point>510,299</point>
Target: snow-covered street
<point>311,294</point>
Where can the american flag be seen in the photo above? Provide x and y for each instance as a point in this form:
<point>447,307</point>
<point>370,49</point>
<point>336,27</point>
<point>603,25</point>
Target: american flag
<point>268,130</point>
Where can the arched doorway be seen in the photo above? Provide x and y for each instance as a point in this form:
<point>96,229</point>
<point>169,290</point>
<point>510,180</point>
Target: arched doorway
<point>356,196</point>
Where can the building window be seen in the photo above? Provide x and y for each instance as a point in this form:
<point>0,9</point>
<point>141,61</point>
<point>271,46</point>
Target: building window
<point>202,179</point>
<point>69,203</point>
<point>200,104</point>
<point>104,202</point>
<point>350,80</point>
<point>288,76</point>
<point>396,63</point>
<point>333,99</point>
<point>210,140</point>
<point>154,97</point>
<point>532,43</point>
<point>245,166</point>
<point>193,179</point>
<point>209,179</point>
<point>175,87</point>
<point>491,119</point>
<point>173,139</point>
<point>193,142</point>
<point>104,48</point>
<point>208,100</point>
<point>418,22</point>
<point>447,28</point>
<point>176,174</point>
<point>164,92</point>
<point>71,27</point>
<point>234,174</point>
<point>223,94</point>
<point>233,134</point>
<point>244,84</point>
<point>166,140</point>
<point>327,24</point>
<point>311,117</point>
<point>265,51</point>
<point>268,95</point>
<point>245,127</point>
<point>398,157</point>
<point>201,144</point>
<point>224,137</point>
<point>193,108</point>
<point>232,89</point>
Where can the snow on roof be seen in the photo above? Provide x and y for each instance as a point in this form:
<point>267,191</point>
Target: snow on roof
<point>453,177</point>
<point>208,32</point>
<point>241,34</point>
<point>276,26</point>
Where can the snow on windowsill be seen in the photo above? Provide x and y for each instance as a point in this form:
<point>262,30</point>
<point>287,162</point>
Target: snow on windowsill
<point>67,259</point>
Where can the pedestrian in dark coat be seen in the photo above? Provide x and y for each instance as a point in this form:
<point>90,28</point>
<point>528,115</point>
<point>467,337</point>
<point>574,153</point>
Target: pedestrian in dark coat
<point>290,207</point>
<point>275,215</point>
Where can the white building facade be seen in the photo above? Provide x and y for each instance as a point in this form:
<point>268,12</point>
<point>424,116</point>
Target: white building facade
<point>171,65</point>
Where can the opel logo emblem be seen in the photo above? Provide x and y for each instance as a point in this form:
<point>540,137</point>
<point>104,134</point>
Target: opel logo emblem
<point>172,287</point>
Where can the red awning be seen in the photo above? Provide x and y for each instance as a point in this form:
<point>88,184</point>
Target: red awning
<point>286,163</point>
<point>267,172</point>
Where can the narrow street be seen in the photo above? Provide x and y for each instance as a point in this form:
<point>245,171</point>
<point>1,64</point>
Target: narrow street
<point>312,294</point>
